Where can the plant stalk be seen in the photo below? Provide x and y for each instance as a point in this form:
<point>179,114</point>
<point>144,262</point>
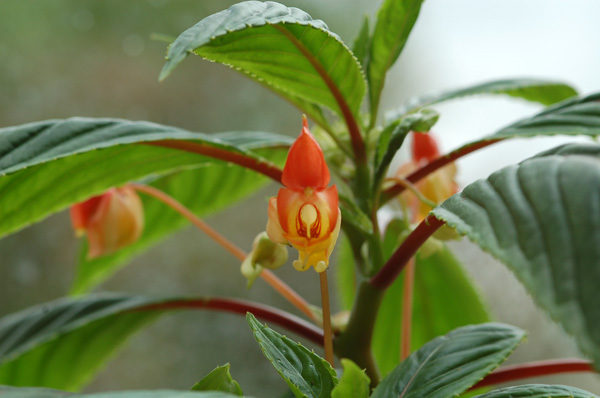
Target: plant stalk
<point>327,334</point>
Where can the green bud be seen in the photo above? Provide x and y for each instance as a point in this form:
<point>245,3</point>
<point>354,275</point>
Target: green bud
<point>265,254</point>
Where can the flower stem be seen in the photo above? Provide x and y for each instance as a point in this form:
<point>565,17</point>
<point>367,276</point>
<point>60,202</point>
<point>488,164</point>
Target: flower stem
<point>281,287</point>
<point>407,309</point>
<point>534,369</point>
<point>328,336</point>
<point>267,313</point>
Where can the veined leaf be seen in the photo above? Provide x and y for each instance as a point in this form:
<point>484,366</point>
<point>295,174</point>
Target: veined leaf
<point>219,380</point>
<point>545,92</point>
<point>353,383</point>
<point>542,219</point>
<point>46,166</point>
<point>284,48</point>
<point>450,364</point>
<point>204,190</point>
<point>306,373</point>
<point>28,392</point>
<point>538,391</point>
<point>444,299</point>
<point>395,21</point>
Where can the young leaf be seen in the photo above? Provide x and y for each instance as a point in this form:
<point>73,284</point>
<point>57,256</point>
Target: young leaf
<point>360,47</point>
<point>538,391</point>
<point>310,63</point>
<point>544,92</point>
<point>46,166</point>
<point>395,20</point>
<point>450,364</point>
<point>204,190</point>
<point>306,373</point>
<point>28,392</point>
<point>393,136</point>
<point>353,383</point>
<point>444,299</point>
<point>542,219</point>
<point>219,380</point>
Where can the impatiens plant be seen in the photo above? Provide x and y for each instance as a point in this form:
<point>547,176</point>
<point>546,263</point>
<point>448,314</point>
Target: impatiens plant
<point>541,218</point>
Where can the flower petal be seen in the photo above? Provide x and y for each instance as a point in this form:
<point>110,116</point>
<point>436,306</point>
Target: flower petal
<point>424,148</point>
<point>305,166</point>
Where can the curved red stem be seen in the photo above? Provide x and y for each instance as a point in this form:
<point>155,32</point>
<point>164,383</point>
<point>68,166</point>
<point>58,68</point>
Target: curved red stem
<point>261,311</point>
<point>266,168</point>
<point>392,268</point>
<point>433,166</point>
<point>534,369</point>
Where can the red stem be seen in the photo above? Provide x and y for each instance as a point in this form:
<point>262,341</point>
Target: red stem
<point>534,369</point>
<point>264,312</point>
<point>266,168</point>
<point>433,166</point>
<point>392,268</point>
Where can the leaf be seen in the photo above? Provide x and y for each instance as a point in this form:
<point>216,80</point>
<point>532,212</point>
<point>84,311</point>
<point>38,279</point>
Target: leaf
<point>283,48</point>
<point>538,391</point>
<point>354,382</point>
<point>395,21</point>
<point>219,380</point>
<point>393,136</point>
<point>204,190</point>
<point>450,364</point>
<point>444,299</point>
<point>40,346</point>
<point>545,92</point>
<point>360,47</point>
<point>28,392</point>
<point>345,273</point>
<point>306,373</point>
<point>542,219</point>
<point>46,166</point>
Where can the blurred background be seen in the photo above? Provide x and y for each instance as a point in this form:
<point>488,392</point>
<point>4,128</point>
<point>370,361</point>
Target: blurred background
<point>71,58</point>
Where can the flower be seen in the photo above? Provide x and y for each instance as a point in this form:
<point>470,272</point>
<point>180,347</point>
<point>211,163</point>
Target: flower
<point>437,186</point>
<point>111,221</point>
<point>265,254</point>
<point>305,213</point>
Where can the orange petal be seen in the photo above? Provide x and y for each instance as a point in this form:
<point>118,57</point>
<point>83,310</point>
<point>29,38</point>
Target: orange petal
<point>274,230</point>
<point>82,212</point>
<point>305,165</point>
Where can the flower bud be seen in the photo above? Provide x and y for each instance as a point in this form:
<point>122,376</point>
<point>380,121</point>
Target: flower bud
<point>265,254</point>
<point>110,221</point>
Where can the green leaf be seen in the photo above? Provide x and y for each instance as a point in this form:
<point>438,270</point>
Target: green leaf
<point>283,48</point>
<point>46,166</point>
<point>41,345</point>
<point>28,392</point>
<point>219,380</point>
<point>360,47</point>
<point>444,299</point>
<point>545,92</point>
<point>450,364</point>
<point>306,373</point>
<point>353,383</point>
<point>393,136</point>
<point>204,190</point>
<point>345,273</point>
<point>395,20</point>
<point>542,219</point>
<point>538,391</point>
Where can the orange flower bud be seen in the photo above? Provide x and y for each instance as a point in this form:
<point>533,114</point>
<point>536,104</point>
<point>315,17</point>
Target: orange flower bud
<point>436,187</point>
<point>305,214</point>
<point>111,221</point>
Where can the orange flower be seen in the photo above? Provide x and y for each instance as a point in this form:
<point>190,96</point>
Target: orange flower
<point>111,221</point>
<point>305,214</point>
<point>436,187</point>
